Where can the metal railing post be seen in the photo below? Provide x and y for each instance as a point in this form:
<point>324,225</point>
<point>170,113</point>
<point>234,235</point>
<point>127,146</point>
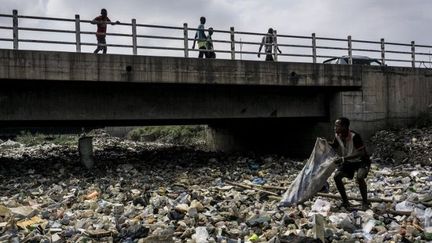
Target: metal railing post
<point>15,28</point>
<point>186,40</point>
<point>350,61</point>
<point>275,46</point>
<point>232,44</point>
<point>77,33</point>
<point>314,54</point>
<point>413,54</point>
<point>382,51</point>
<point>134,37</point>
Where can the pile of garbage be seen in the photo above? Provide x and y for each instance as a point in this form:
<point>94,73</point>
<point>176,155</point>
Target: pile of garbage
<point>105,148</point>
<point>404,146</point>
<point>141,192</point>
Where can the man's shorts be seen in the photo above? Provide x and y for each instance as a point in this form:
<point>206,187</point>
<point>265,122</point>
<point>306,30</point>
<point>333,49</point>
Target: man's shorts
<point>101,39</point>
<point>349,169</point>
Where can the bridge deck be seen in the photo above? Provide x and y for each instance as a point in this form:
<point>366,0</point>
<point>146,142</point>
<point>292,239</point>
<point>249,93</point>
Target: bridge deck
<point>62,88</point>
<point>67,66</point>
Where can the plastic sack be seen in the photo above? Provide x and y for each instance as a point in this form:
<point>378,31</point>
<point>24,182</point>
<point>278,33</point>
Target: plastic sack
<point>405,206</point>
<point>313,176</point>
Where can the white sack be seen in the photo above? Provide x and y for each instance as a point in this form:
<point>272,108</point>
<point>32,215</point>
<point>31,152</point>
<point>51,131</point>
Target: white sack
<point>313,176</point>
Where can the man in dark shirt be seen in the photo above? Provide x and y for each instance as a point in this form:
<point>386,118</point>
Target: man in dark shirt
<point>349,146</point>
<point>102,22</point>
<point>268,41</point>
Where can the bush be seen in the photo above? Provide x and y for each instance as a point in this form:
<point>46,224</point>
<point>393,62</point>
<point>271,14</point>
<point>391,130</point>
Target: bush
<point>30,139</point>
<point>184,135</point>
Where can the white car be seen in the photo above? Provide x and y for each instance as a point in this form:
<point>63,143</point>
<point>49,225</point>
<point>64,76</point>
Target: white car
<point>357,60</point>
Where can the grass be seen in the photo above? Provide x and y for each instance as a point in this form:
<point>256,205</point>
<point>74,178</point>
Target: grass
<point>184,135</point>
<point>30,139</point>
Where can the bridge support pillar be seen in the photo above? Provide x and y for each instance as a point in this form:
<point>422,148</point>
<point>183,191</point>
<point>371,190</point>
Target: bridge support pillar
<point>85,148</point>
<point>335,108</point>
<point>291,137</point>
<point>222,139</point>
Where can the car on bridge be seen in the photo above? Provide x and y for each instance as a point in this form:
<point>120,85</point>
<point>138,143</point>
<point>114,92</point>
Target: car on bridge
<point>357,60</point>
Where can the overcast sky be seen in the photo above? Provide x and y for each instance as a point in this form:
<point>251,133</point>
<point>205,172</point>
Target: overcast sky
<point>394,20</point>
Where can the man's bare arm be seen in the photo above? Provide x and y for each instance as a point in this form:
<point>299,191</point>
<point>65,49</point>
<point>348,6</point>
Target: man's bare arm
<point>358,153</point>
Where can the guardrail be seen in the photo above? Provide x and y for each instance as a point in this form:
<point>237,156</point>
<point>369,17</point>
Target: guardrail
<point>229,44</point>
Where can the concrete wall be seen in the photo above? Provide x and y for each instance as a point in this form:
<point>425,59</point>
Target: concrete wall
<point>391,97</point>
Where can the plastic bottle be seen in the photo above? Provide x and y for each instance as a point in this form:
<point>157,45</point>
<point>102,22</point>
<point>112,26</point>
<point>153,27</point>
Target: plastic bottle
<point>428,224</point>
<point>428,218</point>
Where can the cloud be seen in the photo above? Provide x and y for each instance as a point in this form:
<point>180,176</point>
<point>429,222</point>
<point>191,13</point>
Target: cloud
<point>32,7</point>
<point>394,20</point>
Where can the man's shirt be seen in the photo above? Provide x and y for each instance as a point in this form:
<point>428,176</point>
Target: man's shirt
<point>268,41</point>
<point>347,146</point>
<point>101,27</point>
<point>200,33</point>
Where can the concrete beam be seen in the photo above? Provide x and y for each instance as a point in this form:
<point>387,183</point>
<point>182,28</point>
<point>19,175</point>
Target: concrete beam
<point>104,104</point>
<point>67,66</point>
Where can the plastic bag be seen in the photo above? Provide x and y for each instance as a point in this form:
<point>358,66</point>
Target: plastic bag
<point>321,207</point>
<point>405,206</point>
<point>313,176</point>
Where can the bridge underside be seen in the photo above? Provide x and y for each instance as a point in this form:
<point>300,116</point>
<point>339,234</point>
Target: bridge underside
<point>264,118</point>
<point>47,103</point>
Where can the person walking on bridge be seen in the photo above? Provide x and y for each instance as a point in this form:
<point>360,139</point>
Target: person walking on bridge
<point>268,41</point>
<point>353,159</point>
<point>201,38</point>
<point>102,22</point>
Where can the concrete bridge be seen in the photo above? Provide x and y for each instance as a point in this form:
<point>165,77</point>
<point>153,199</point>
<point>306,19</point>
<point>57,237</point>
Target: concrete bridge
<point>273,106</point>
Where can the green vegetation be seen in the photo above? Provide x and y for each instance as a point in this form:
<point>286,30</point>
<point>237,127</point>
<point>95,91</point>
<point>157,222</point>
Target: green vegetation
<point>185,135</point>
<point>30,139</point>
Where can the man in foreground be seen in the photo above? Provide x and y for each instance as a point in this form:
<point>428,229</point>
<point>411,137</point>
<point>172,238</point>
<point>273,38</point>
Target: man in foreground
<point>354,160</point>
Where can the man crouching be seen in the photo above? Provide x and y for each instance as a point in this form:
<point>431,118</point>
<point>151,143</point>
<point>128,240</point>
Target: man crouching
<point>349,146</point>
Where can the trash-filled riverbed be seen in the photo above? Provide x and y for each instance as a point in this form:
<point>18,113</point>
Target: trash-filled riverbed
<point>149,192</point>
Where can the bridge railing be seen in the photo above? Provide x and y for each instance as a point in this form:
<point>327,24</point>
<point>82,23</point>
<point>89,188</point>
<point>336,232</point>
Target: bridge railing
<point>27,32</point>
